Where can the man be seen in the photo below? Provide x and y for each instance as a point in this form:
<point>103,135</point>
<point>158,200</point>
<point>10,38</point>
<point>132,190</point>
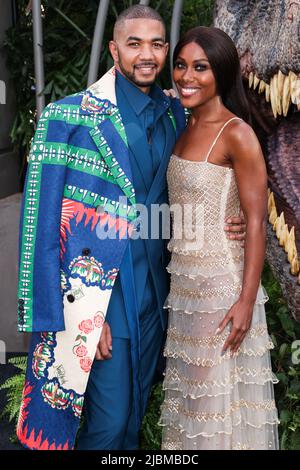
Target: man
<point>78,266</point>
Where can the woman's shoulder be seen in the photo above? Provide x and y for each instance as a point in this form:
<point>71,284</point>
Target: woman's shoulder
<point>240,133</point>
<point>241,140</point>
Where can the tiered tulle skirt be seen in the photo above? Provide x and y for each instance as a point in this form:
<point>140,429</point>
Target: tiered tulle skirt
<point>213,401</point>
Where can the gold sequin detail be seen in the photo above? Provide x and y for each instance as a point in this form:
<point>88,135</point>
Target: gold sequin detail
<point>174,406</point>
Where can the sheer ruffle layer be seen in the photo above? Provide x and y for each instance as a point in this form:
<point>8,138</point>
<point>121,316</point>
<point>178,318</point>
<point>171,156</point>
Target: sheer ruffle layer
<point>185,377</point>
<point>192,337</point>
<point>219,249</point>
<point>215,294</point>
<point>208,416</point>
<point>207,266</point>
<point>241,438</point>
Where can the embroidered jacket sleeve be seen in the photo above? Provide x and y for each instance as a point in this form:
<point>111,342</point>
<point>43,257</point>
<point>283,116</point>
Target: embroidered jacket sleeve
<point>40,301</point>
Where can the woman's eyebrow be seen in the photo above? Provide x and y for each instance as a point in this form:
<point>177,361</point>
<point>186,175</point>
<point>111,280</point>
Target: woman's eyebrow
<point>194,61</point>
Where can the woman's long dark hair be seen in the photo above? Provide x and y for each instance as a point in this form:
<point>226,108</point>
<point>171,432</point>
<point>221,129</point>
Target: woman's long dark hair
<point>224,61</point>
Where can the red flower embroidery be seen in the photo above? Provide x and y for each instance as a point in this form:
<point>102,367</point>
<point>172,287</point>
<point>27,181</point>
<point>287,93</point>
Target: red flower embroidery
<point>98,321</point>
<point>86,326</point>
<point>81,351</point>
<point>86,364</point>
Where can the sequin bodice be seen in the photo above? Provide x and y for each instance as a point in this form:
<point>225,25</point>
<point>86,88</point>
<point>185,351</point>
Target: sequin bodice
<point>208,192</point>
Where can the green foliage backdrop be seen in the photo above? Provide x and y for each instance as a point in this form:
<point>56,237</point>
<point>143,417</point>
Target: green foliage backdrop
<point>68,28</point>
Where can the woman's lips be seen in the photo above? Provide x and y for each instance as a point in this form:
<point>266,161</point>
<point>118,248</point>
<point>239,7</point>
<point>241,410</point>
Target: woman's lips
<point>186,92</point>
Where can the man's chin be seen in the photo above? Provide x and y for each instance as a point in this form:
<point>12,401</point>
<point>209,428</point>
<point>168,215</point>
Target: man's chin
<point>145,82</point>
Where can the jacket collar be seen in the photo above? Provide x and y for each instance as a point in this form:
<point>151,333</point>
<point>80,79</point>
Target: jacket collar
<point>100,97</point>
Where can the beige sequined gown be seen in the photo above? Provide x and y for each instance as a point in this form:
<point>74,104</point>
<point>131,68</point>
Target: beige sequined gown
<point>212,401</point>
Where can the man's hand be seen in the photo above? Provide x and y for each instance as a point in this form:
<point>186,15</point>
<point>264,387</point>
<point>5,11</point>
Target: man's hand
<point>236,228</point>
<point>104,347</point>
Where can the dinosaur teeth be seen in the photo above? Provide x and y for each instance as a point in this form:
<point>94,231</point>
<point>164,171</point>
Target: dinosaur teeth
<point>267,93</point>
<point>280,82</point>
<point>280,223</point>
<point>293,85</point>
<point>272,209</point>
<point>285,237</point>
<point>273,216</point>
<point>255,82</point>
<point>273,95</point>
<point>262,86</point>
<point>286,95</point>
<point>277,87</point>
<point>295,265</point>
<point>290,247</point>
<point>281,92</point>
<point>250,78</point>
<point>271,201</point>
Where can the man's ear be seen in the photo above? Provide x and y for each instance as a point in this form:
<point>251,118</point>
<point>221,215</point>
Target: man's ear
<point>114,51</point>
<point>167,47</point>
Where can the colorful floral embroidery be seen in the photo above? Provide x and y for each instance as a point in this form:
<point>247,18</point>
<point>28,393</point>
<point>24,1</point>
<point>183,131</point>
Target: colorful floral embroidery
<point>86,364</point>
<point>42,357</point>
<point>88,269</point>
<point>92,273</point>
<point>80,351</point>
<point>86,326</point>
<point>109,279</point>
<point>49,338</point>
<point>77,406</point>
<point>55,396</point>
<point>92,104</point>
<point>64,282</point>
<point>99,319</point>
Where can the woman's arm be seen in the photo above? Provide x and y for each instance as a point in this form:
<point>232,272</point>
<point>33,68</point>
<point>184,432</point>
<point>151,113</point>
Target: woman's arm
<point>251,176</point>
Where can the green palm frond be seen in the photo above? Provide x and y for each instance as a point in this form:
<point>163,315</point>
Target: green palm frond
<point>14,388</point>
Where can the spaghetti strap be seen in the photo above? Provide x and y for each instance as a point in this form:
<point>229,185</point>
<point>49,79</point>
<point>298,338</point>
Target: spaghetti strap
<point>219,133</point>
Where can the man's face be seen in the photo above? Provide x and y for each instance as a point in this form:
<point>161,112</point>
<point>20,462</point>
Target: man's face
<point>139,51</point>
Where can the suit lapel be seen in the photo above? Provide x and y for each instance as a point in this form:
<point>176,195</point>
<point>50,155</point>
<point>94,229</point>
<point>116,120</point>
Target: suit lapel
<point>110,138</point>
<point>109,135</point>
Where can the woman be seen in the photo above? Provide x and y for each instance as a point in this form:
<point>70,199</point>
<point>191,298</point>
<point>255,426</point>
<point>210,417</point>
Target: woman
<point>218,382</point>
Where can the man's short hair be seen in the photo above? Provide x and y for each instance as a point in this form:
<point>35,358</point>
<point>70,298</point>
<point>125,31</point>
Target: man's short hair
<point>137,12</point>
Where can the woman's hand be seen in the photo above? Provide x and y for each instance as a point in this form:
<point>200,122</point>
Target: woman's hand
<point>171,93</point>
<point>104,346</point>
<point>240,315</point>
<point>236,228</point>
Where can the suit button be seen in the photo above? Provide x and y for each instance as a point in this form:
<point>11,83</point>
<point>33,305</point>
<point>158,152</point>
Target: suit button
<point>21,301</point>
<point>86,252</point>
<point>70,298</point>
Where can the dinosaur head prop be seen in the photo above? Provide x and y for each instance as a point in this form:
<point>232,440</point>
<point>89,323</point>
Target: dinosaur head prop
<point>267,36</point>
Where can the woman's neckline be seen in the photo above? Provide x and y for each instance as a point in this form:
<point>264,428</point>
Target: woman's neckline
<point>201,162</point>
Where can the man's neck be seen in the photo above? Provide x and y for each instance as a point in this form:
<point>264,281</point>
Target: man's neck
<point>145,90</point>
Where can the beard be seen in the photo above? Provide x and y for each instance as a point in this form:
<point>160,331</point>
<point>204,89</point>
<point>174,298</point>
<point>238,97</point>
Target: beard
<point>131,75</point>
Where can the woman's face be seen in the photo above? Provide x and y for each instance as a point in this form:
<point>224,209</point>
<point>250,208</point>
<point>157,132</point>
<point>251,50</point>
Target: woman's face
<point>193,76</point>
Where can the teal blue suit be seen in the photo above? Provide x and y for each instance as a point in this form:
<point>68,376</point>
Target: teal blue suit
<point>118,389</point>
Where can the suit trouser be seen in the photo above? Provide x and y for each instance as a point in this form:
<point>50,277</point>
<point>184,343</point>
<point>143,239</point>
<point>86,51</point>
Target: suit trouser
<point>109,412</point>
